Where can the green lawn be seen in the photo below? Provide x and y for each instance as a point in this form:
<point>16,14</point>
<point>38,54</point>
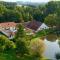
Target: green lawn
<point>4,56</point>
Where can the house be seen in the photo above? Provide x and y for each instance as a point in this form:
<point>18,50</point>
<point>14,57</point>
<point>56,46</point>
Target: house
<point>43,26</point>
<point>8,29</point>
<point>36,25</point>
<point>8,26</point>
<point>8,33</point>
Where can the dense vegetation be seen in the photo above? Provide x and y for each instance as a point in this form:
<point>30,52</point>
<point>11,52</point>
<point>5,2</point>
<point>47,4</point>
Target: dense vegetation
<point>46,13</point>
<point>12,12</point>
<point>22,47</point>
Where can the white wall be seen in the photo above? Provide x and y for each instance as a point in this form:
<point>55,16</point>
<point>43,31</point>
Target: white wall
<point>43,26</point>
<point>12,28</point>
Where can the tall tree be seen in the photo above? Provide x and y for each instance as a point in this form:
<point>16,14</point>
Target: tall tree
<point>21,41</point>
<point>51,7</point>
<point>51,19</point>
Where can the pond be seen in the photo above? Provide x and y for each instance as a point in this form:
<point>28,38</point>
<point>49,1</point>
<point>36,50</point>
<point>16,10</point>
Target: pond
<point>51,49</point>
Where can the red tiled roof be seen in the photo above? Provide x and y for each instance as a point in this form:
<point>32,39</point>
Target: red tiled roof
<point>8,24</point>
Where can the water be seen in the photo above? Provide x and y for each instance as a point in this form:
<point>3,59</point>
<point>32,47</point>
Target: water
<point>51,49</point>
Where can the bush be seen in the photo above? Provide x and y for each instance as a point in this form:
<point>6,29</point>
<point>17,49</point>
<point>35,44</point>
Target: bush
<point>6,44</point>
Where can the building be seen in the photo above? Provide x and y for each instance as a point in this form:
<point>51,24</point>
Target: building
<point>8,33</point>
<point>43,26</point>
<point>8,29</point>
<point>36,25</point>
<point>8,26</point>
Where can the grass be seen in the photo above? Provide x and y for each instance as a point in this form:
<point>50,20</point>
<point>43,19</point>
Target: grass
<point>7,56</point>
<point>48,33</point>
<point>4,56</point>
<point>42,33</point>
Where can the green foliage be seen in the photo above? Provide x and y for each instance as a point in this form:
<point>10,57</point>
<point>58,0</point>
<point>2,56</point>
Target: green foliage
<point>9,11</point>
<point>11,15</point>
<point>20,32</point>
<point>51,19</point>
<point>51,7</point>
<point>21,41</point>
<point>17,14</point>
<point>6,44</point>
<point>10,56</point>
<point>43,33</point>
<point>37,47</point>
<point>38,15</point>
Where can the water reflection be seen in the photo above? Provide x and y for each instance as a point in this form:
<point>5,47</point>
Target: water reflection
<point>51,49</point>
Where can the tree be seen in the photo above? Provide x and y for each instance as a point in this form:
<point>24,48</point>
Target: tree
<point>51,19</point>
<point>11,15</point>
<point>2,9</point>
<point>58,20</point>
<point>37,47</point>
<point>38,15</point>
<point>10,5</point>
<point>21,41</point>
<point>51,7</point>
<point>6,44</point>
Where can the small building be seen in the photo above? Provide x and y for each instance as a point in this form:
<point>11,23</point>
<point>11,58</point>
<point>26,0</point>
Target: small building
<point>36,25</point>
